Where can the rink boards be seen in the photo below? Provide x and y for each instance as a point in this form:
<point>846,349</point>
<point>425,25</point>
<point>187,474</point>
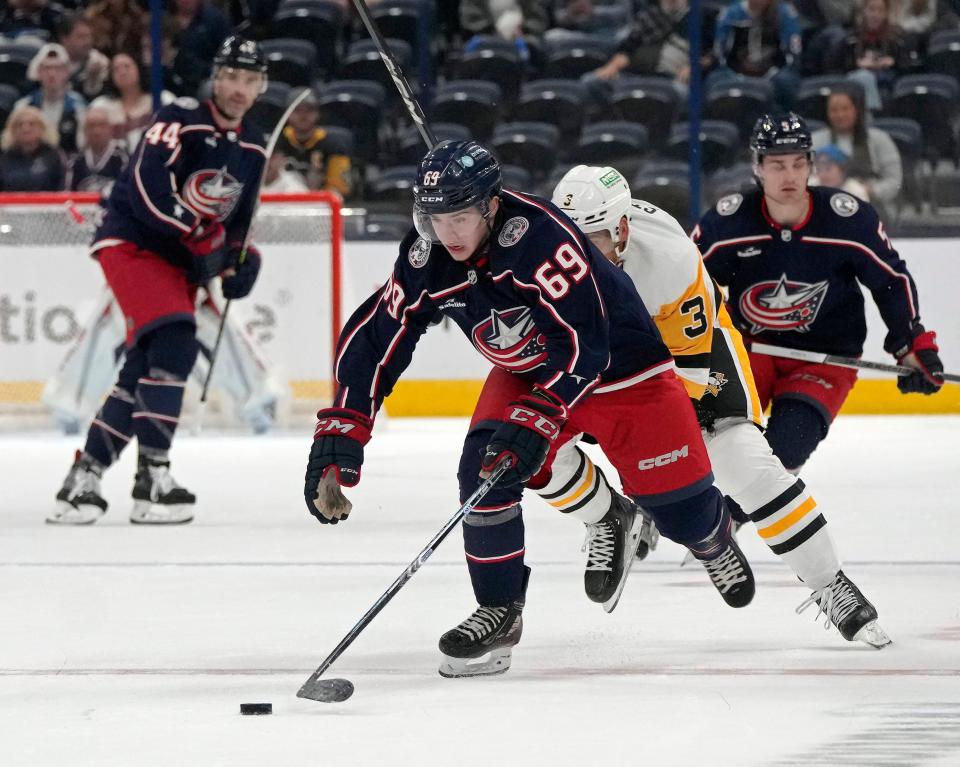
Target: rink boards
<point>49,292</point>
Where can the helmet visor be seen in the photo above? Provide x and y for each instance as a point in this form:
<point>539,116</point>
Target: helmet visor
<point>458,227</point>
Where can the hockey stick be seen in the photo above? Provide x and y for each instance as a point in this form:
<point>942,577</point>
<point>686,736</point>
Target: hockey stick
<point>336,690</point>
<point>839,361</point>
<point>413,107</point>
<point>271,145</point>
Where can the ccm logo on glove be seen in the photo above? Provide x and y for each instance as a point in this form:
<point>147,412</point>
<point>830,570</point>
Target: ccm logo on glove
<point>536,421</point>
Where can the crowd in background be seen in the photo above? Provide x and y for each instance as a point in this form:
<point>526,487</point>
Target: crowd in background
<point>76,118</point>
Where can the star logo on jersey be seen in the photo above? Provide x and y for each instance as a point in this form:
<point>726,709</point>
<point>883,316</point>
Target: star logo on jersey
<point>212,193</point>
<point>782,305</point>
<point>509,338</point>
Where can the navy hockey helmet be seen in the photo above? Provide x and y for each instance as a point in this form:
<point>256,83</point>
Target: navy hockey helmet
<point>453,176</point>
<point>238,52</point>
<point>781,134</point>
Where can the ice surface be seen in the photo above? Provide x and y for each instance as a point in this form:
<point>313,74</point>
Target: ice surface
<point>134,646</point>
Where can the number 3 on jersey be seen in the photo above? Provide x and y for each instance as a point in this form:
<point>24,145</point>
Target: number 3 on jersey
<point>698,317</point>
<point>553,280</point>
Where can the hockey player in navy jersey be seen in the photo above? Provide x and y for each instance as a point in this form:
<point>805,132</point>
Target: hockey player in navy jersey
<point>793,259</point>
<point>573,350</point>
<point>176,218</point>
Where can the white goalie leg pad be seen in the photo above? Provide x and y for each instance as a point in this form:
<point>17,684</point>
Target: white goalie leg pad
<point>785,514</point>
<point>241,370</point>
<point>577,487</point>
<point>489,664</point>
<point>89,368</point>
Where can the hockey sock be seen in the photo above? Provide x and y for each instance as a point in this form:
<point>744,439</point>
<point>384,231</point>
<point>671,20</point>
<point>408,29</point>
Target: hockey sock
<point>794,431</point>
<point>494,545</point>
<point>576,486</point>
<point>692,522</point>
<point>171,352</point>
<point>793,529</point>
<point>112,427</point>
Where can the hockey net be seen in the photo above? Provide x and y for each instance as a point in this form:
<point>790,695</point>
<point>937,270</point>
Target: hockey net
<point>59,339</point>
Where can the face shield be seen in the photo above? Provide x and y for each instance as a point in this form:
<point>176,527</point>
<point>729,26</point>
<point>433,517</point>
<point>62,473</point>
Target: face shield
<point>457,227</point>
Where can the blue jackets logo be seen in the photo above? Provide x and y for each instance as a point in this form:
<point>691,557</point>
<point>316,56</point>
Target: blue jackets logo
<point>782,305</point>
<point>509,338</point>
<point>212,193</point>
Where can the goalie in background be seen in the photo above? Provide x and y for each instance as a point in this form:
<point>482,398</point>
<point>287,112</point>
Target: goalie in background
<point>176,218</point>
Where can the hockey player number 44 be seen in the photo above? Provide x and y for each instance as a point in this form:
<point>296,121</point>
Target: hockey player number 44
<point>163,133</point>
<point>553,280</point>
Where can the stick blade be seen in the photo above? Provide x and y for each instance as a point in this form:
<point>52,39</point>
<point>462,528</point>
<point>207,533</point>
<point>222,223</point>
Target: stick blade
<point>326,690</point>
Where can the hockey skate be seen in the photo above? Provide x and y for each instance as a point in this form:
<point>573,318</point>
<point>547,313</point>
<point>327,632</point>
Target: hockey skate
<point>849,610</point>
<point>483,644</point>
<point>79,501</point>
<point>609,545</point>
<point>731,574</point>
<point>649,536</point>
<point>157,498</point>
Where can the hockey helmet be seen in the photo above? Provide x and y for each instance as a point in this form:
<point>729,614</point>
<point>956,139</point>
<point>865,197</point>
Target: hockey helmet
<point>595,199</point>
<point>781,134</point>
<point>454,176</point>
<point>238,52</point>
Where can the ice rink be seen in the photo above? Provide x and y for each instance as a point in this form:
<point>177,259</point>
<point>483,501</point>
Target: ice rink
<point>133,646</point>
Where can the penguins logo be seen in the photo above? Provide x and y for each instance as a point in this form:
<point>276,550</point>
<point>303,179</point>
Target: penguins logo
<point>782,305</point>
<point>212,193</point>
<point>510,339</point>
<point>715,382</point>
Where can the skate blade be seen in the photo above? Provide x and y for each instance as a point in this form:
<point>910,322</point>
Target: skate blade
<point>145,513</point>
<point>873,635</point>
<point>68,514</point>
<point>647,543</point>
<point>490,664</point>
<point>633,538</point>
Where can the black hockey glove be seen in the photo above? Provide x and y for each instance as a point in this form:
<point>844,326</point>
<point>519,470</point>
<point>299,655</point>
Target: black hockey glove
<point>705,414</point>
<point>921,355</point>
<point>335,460</point>
<point>530,425</point>
<point>237,281</point>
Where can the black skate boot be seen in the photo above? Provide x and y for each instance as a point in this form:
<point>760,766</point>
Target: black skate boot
<point>482,644</point>
<point>649,536</point>
<point>725,563</point>
<point>849,610</point>
<point>610,544</point>
<point>157,498</point>
<point>79,501</point>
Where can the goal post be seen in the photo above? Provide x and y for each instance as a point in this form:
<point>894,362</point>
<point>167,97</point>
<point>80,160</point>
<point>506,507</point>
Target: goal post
<point>51,292</point>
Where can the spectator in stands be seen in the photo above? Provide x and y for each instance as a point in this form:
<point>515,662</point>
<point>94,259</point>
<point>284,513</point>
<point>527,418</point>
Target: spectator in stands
<point>62,108</point>
<point>760,39</point>
<point>919,18</point>
<point>88,67</point>
<point>875,52</point>
<point>583,16</point>
<point>102,159</point>
<point>278,178</point>
<point>118,25</point>
<point>657,44</point>
<point>311,151</point>
<point>127,100</point>
<point>200,28</point>
<point>874,158</point>
<point>831,169</point>
<point>510,19</point>
<point>29,158</point>
<point>30,18</point>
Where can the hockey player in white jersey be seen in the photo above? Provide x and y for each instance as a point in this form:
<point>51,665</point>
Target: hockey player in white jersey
<point>712,362</point>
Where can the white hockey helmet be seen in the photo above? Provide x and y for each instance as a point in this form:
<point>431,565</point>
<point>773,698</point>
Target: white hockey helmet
<point>595,198</point>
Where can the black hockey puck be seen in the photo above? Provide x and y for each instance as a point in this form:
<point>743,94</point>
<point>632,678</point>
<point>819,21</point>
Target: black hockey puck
<point>256,709</point>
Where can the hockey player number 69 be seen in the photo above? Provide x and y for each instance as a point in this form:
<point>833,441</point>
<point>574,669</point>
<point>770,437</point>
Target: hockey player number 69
<point>553,280</point>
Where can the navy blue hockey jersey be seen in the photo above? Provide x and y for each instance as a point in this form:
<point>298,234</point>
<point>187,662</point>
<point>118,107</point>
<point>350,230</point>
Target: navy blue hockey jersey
<point>186,167</point>
<point>541,302</point>
<point>800,287</point>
